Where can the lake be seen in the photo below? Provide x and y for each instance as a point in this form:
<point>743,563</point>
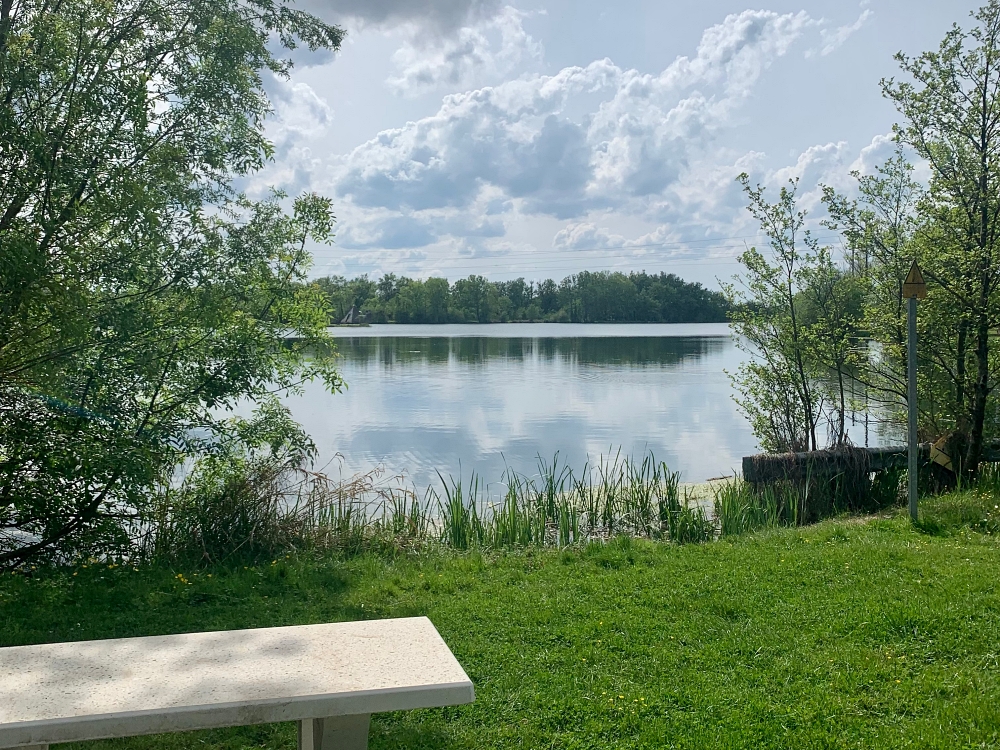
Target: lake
<point>476,397</point>
<point>463,398</point>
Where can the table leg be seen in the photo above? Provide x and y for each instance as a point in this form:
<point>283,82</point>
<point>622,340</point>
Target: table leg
<point>334,733</point>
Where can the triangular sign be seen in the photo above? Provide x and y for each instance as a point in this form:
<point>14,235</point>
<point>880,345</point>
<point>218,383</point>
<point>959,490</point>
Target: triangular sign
<point>914,285</point>
<point>914,276</point>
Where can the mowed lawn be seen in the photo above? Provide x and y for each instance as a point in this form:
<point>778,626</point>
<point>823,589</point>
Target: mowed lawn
<point>852,633</point>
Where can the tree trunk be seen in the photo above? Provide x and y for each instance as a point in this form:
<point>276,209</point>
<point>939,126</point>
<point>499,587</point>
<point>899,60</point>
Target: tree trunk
<point>843,405</point>
<point>980,393</point>
<point>963,335</point>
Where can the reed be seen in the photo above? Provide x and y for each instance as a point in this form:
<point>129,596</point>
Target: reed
<point>461,526</point>
<point>988,481</point>
<point>741,508</point>
<point>252,509</point>
<point>555,507</point>
<point>246,510</point>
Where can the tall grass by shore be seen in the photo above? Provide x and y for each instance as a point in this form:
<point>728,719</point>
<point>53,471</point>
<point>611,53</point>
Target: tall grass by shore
<point>254,509</point>
<point>741,508</point>
<point>556,507</point>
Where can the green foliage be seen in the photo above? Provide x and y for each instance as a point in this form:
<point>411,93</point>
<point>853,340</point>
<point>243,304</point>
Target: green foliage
<point>803,316</point>
<point>461,526</point>
<point>742,507</point>
<point>246,504</point>
<point>254,498</point>
<point>238,502</point>
<point>140,296</point>
<point>618,496</point>
<point>976,508</point>
<point>951,112</point>
<point>583,298</point>
<point>879,230</point>
<point>840,635</point>
<point>950,104</point>
<point>796,315</point>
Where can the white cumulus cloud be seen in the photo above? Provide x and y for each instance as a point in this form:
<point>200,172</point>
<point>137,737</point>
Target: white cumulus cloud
<point>520,138</point>
<point>594,161</point>
<point>301,117</point>
<point>586,236</point>
<point>488,50</point>
<point>437,16</point>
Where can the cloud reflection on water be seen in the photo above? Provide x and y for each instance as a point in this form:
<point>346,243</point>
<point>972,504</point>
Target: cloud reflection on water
<point>420,403</point>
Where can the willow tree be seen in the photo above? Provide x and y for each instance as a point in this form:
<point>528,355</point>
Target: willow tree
<point>140,294</point>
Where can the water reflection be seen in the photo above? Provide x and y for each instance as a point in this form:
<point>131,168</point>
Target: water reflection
<point>418,404</point>
<point>631,351</point>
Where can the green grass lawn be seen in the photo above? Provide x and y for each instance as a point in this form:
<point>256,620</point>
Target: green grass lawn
<point>851,633</point>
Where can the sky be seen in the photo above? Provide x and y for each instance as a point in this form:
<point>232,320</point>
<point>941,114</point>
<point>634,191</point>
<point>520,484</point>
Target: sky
<point>545,137</point>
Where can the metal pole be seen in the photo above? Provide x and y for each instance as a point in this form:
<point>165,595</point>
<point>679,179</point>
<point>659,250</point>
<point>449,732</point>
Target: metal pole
<point>911,402</point>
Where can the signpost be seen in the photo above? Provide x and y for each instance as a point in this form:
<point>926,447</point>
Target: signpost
<point>914,288</point>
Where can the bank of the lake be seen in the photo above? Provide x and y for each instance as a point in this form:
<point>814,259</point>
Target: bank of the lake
<point>851,633</point>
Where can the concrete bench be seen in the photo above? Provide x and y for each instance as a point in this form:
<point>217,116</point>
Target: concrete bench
<point>328,678</point>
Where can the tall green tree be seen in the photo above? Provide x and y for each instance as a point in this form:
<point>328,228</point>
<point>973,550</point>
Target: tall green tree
<point>140,294</point>
<point>879,228</point>
<point>476,298</point>
<point>884,229</point>
<point>951,118</point>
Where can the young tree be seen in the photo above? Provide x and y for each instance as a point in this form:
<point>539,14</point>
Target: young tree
<point>796,315</point>
<point>830,305</point>
<point>879,229</point>
<point>776,382</point>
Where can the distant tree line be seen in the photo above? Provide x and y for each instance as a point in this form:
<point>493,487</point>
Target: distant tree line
<point>586,297</point>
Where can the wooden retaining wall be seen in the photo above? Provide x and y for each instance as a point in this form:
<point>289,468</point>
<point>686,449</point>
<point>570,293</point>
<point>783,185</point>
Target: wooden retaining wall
<point>766,467</point>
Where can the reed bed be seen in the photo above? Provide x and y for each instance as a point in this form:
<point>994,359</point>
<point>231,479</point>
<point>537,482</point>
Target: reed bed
<point>618,495</point>
<point>258,509</point>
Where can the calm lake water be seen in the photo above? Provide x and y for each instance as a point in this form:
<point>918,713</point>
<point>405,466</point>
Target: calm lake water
<point>458,398</point>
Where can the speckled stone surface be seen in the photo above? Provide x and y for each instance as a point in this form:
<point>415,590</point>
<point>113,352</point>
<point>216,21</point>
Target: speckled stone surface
<point>87,690</point>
